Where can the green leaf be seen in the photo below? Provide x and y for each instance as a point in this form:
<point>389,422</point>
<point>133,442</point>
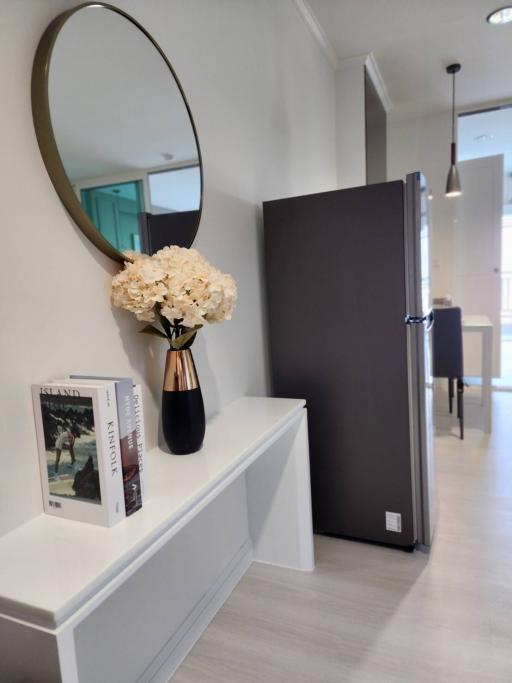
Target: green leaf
<point>180,341</point>
<point>149,329</point>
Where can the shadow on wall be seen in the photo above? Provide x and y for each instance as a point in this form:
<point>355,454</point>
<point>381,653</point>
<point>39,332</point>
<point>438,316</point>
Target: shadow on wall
<point>230,237</point>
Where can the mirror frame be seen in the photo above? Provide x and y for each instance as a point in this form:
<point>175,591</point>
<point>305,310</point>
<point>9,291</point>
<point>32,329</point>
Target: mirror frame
<point>46,138</point>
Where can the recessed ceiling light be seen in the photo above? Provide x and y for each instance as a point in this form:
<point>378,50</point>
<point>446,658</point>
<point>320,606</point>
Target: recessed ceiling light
<point>500,16</point>
<point>484,137</point>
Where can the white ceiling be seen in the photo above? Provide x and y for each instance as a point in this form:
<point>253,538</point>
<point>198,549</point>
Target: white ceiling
<point>414,40</point>
<point>114,105</point>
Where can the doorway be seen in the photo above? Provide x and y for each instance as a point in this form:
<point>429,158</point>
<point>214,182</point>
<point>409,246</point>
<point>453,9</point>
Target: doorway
<point>488,133</point>
<point>506,302</point>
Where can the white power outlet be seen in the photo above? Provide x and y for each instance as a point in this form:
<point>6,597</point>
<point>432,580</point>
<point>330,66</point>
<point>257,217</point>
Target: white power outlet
<point>394,521</point>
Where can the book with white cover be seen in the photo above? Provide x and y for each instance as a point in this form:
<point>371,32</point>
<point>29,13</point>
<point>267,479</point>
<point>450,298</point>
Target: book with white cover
<point>141,439</point>
<point>79,454</point>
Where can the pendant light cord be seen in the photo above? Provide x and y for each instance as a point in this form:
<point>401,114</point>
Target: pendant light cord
<point>453,108</point>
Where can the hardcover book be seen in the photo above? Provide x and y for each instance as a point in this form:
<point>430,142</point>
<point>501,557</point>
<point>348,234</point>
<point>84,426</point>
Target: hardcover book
<point>123,387</point>
<point>79,454</point>
<point>141,440</point>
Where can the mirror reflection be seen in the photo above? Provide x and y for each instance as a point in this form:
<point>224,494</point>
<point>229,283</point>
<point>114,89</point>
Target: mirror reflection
<point>124,132</point>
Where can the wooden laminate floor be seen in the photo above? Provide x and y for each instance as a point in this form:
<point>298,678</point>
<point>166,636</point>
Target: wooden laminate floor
<point>372,614</point>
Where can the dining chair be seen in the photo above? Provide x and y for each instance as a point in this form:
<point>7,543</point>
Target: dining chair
<point>448,355</point>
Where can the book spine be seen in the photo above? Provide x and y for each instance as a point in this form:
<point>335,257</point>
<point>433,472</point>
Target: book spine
<point>129,448</point>
<point>110,457</point>
<point>41,448</point>
<point>141,440</point>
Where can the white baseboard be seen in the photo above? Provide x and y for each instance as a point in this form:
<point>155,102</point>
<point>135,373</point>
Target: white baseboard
<point>179,645</point>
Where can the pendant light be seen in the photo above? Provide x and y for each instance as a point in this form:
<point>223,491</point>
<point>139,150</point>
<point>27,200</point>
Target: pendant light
<point>453,188</point>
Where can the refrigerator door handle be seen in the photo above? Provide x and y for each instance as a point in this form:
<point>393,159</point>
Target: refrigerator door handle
<point>420,319</point>
<point>415,319</point>
<point>430,319</point>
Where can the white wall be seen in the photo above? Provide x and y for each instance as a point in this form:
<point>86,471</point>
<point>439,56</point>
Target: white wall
<point>351,123</point>
<point>263,98</point>
<point>423,144</point>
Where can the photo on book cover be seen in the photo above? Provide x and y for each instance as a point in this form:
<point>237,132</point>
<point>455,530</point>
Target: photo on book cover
<point>70,445</point>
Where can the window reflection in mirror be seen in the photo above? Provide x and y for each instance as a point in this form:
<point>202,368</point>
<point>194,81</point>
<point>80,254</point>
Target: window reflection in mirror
<point>176,189</point>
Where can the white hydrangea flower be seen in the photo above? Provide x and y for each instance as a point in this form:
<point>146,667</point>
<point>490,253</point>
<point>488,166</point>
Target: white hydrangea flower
<point>185,286</point>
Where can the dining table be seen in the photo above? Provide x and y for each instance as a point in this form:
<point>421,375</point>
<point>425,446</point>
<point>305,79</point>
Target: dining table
<point>482,325</point>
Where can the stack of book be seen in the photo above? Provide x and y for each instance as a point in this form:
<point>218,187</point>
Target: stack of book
<point>90,436</point>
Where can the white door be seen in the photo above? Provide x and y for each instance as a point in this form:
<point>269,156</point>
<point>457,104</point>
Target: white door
<point>477,249</point>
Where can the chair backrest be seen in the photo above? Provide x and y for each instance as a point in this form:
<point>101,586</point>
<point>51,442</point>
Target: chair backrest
<point>447,343</point>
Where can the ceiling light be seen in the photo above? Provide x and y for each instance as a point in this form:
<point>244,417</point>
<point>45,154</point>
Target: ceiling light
<point>500,16</point>
<point>483,138</point>
<point>453,188</point>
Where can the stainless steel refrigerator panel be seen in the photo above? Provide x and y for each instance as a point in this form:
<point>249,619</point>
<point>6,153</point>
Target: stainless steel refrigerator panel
<point>417,243</point>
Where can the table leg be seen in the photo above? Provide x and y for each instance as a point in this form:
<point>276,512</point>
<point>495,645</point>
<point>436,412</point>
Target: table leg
<point>279,502</point>
<point>487,378</point>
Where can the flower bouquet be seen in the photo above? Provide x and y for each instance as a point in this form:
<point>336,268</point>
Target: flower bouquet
<point>177,291</point>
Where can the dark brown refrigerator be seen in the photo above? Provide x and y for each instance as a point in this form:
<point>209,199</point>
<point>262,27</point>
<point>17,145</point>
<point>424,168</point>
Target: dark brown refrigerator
<point>347,276</point>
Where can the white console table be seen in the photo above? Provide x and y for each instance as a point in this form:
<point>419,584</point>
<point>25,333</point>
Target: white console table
<point>86,604</point>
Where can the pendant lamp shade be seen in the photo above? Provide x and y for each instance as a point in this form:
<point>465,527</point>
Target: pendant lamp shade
<point>453,187</point>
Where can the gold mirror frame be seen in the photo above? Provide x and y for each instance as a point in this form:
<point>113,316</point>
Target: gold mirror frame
<point>46,138</point>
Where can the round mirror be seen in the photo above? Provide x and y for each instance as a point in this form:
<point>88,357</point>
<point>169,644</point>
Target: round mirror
<point>116,132</point>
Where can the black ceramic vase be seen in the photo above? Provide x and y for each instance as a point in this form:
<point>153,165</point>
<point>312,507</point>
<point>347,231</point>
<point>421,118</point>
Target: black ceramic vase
<point>183,418</point>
